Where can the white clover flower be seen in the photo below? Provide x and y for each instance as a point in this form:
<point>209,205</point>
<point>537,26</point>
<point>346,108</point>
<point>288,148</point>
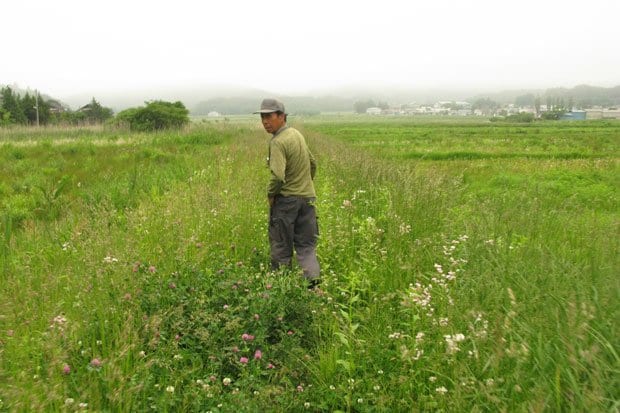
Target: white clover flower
<point>441,390</point>
<point>226,381</point>
<point>69,401</point>
<point>170,389</point>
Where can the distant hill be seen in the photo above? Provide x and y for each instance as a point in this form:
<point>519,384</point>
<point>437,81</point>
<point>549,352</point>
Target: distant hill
<point>582,95</point>
<point>232,99</point>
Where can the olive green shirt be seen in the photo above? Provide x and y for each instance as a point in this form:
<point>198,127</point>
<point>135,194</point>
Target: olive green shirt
<point>291,163</point>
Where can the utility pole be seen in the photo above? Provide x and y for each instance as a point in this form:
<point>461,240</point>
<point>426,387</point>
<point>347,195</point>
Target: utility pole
<point>36,106</point>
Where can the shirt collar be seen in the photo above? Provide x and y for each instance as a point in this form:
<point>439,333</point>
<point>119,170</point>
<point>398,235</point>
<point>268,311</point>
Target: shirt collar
<point>280,130</point>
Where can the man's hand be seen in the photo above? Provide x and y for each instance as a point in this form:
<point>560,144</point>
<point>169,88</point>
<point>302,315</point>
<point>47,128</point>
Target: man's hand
<point>272,200</point>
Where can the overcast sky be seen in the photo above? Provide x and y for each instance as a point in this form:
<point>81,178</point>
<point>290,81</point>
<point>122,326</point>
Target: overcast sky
<point>75,46</point>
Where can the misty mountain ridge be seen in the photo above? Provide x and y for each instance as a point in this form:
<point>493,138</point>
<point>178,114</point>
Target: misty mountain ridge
<point>235,99</point>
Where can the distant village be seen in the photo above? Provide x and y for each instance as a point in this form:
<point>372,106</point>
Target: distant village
<point>452,108</point>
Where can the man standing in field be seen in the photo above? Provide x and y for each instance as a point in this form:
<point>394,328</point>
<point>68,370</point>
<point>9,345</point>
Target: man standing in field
<point>290,193</point>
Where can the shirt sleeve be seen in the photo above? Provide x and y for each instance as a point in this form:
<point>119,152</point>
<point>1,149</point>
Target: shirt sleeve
<point>277,165</point>
<point>312,164</point>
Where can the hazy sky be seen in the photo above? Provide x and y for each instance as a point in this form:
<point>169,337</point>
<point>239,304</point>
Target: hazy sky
<point>75,46</point>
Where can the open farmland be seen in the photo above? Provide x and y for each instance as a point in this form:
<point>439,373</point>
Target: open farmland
<point>467,267</point>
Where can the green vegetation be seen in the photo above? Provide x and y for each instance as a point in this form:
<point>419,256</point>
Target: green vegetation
<point>155,116</point>
<point>467,267</point>
<point>27,109</point>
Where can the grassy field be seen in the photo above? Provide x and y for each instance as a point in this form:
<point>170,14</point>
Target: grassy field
<point>467,266</point>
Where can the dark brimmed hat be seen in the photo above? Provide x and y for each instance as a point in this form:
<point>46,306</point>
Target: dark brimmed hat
<point>271,105</point>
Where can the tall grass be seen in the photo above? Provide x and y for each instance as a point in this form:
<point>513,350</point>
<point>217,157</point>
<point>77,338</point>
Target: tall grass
<point>142,282</point>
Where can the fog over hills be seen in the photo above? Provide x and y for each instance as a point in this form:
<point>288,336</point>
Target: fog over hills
<point>201,99</point>
<point>234,99</point>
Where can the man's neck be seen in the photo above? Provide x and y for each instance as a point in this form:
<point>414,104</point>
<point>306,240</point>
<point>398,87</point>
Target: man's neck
<point>284,126</point>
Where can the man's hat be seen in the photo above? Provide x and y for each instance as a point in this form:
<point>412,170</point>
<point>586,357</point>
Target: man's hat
<point>271,105</point>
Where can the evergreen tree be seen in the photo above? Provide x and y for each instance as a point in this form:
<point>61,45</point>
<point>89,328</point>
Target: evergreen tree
<point>11,103</point>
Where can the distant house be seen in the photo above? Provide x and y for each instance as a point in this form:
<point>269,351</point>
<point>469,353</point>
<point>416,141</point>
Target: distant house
<point>373,111</point>
<point>213,114</point>
<point>56,106</point>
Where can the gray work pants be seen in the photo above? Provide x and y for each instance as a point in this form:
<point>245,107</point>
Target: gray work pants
<point>293,224</point>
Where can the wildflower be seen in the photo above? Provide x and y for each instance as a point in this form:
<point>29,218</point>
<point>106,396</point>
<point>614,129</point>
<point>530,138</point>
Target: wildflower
<point>177,357</point>
<point>226,381</point>
<point>10,333</point>
<point>441,390</point>
<point>57,322</point>
<point>247,337</point>
<point>432,379</point>
<point>360,400</point>
<point>290,332</point>
<point>66,369</point>
<point>395,335</point>
<point>258,355</point>
<point>69,401</point>
<point>142,354</point>
<point>127,297</point>
<point>212,378</point>
<point>452,346</point>
<point>376,387</point>
<point>443,321</point>
<point>83,405</point>
<point>271,366</point>
<point>256,316</point>
<point>96,363</point>
<point>380,372</point>
<point>109,260</point>
<point>332,387</point>
<point>346,204</point>
<point>152,269</point>
<point>170,389</point>
<point>235,349</point>
<point>225,307</point>
<point>269,286</point>
<point>300,388</point>
<point>243,360</point>
<point>307,405</point>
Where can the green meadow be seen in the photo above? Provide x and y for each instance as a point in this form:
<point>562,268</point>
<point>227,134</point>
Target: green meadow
<point>467,266</point>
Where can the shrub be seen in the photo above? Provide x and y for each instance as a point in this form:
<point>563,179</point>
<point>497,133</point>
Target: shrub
<point>156,115</point>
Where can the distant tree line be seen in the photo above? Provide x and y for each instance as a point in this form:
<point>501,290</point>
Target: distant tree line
<point>23,109</point>
<point>295,105</point>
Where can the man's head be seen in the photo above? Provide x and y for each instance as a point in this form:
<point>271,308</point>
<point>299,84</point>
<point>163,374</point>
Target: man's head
<point>272,115</point>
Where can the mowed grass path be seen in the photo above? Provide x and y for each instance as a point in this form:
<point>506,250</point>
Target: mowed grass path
<point>134,271</point>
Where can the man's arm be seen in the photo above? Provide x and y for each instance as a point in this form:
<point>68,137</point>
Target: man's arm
<point>277,165</point>
<point>312,164</point>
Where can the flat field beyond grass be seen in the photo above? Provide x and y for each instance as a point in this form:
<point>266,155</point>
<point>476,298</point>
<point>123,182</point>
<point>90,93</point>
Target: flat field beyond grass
<point>466,267</point>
